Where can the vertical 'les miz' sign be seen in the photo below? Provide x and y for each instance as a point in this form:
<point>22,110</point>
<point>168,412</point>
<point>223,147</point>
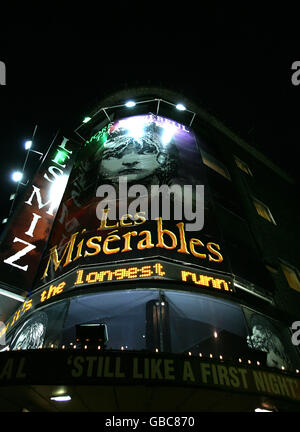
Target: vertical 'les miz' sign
<point>28,231</point>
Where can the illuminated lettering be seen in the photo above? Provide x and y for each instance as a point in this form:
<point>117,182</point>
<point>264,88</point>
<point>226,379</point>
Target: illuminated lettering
<point>127,238</point>
<point>53,256</point>
<point>11,260</point>
<point>146,242</point>
<point>161,232</point>
<point>52,291</point>
<point>79,277</point>
<point>126,217</point>
<point>52,170</point>
<point>111,238</point>
<point>198,242</point>
<point>146,271</point>
<point>33,224</point>
<point>212,250</point>
<point>90,244</point>
<point>183,245</point>
<point>205,280</point>
<point>159,269</point>
<point>36,192</point>
<point>140,216</point>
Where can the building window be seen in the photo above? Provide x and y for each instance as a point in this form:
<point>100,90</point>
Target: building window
<point>214,164</point>
<point>243,166</point>
<point>263,210</point>
<point>292,276</point>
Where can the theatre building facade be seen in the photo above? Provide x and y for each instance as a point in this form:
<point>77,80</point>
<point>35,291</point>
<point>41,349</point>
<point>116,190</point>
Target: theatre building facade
<point>154,264</point>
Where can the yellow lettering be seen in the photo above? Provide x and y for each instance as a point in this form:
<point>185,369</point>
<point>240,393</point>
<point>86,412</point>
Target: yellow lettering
<point>212,250</point>
<point>160,235</point>
<point>54,255</point>
<point>110,238</point>
<point>194,241</point>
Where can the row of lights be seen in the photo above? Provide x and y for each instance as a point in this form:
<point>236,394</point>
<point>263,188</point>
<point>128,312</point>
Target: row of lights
<point>74,346</point>
<point>17,176</point>
<point>132,104</point>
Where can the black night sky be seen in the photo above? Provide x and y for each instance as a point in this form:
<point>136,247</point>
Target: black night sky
<point>63,57</point>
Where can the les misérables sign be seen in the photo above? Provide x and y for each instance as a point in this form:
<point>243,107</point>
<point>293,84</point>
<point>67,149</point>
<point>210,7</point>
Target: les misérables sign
<point>27,233</point>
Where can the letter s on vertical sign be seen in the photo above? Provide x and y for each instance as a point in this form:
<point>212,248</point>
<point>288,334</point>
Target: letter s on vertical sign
<point>296,335</point>
<point>295,77</point>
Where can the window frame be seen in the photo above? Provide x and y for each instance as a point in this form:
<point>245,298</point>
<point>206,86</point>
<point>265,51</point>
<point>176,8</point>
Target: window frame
<point>223,171</point>
<point>271,217</point>
<point>294,269</point>
<point>247,170</point>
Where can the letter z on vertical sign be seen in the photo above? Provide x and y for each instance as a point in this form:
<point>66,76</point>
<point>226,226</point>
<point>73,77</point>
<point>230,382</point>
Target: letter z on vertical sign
<point>27,233</point>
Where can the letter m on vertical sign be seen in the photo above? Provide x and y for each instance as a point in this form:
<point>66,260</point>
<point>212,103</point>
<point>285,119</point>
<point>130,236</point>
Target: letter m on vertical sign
<point>27,233</point>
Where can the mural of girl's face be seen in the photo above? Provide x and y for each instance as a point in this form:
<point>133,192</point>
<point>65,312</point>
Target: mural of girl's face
<point>135,161</point>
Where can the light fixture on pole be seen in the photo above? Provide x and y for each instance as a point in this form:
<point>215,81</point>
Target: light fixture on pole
<point>17,176</point>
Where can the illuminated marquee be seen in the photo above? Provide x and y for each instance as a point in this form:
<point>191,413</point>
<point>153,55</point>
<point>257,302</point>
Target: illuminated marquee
<point>156,271</point>
<point>160,270</point>
<point>114,242</point>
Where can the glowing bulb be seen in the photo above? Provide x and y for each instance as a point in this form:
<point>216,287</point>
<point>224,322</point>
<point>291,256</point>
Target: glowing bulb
<point>28,145</point>
<point>215,334</point>
<point>17,176</point>
<point>86,119</point>
<point>135,127</point>
<point>63,398</point>
<point>167,135</point>
<point>180,107</point>
<point>262,410</point>
<point>130,104</point>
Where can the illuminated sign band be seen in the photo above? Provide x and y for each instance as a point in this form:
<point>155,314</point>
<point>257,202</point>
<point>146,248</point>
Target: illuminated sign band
<point>191,278</point>
<point>134,368</point>
<point>158,271</point>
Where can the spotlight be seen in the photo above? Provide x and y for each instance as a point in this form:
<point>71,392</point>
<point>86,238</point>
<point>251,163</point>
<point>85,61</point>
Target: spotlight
<point>17,176</point>
<point>28,145</point>
<point>180,107</point>
<point>261,410</point>
<point>86,119</point>
<point>63,398</point>
<point>130,104</point>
